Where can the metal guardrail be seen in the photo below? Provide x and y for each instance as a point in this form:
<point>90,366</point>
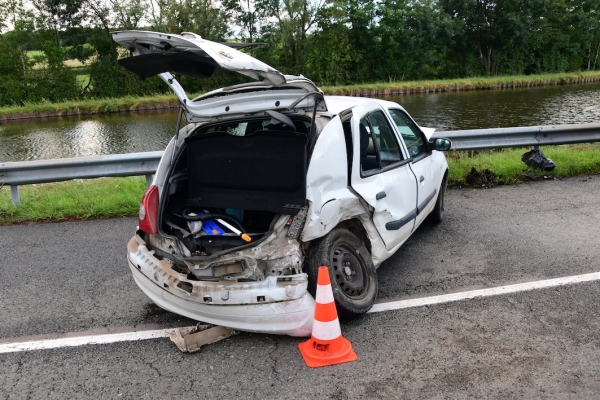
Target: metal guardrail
<point>135,164</point>
<point>545,135</point>
<point>44,171</point>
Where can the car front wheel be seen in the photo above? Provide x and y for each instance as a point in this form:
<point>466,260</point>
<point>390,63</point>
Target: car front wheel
<point>351,271</point>
<point>437,215</point>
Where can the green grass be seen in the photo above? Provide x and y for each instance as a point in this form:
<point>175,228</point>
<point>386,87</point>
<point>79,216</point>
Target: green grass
<point>73,63</point>
<point>507,168</point>
<point>117,197</point>
<point>481,83</point>
<point>94,106</point>
<point>73,200</point>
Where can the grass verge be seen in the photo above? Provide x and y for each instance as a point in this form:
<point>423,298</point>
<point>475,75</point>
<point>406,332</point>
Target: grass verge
<point>160,101</point>
<point>83,107</point>
<point>117,197</point>
<point>449,85</point>
<point>504,167</point>
<point>73,200</point>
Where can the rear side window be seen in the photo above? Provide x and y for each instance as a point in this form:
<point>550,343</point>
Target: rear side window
<point>378,145</point>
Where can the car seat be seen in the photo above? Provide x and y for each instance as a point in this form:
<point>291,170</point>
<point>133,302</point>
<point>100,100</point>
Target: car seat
<point>367,161</point>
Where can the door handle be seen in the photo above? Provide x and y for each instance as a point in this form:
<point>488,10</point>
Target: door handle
<point>422,178</point>
<point>380,195</point>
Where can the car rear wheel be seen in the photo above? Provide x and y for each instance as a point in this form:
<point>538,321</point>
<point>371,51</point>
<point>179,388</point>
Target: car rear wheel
<point>351,271</point>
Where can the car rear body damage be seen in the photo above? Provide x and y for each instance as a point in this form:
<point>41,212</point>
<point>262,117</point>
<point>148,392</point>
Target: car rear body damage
<point>266,181</point>
<point>275,304</point>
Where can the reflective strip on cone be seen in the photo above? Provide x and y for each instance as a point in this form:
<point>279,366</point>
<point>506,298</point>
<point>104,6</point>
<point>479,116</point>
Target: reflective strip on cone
<point>324,294</point>
<point>326,330</point>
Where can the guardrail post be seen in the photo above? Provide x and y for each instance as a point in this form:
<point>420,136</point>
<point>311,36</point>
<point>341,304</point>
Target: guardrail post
<point>149,180</point>
<point>14,194</point>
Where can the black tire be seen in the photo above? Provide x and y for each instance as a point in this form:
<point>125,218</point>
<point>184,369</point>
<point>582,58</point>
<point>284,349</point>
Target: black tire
<point>351,271</point>
<point>437,215</point>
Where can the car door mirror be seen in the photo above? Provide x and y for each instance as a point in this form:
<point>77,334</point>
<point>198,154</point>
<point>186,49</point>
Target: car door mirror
<point>441,144</point>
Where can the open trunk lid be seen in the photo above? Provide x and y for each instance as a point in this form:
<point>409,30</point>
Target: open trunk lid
<point>189,55</point>
<point>162,54</point>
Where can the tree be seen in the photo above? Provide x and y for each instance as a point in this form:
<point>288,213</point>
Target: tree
<point>414,39</point>
<point>203,17</point>
<point>129,13</point>
<point>16,44</point>
<point>12,85</point>
<point>246,15</point>
<point>331,55</point>
<point>503,34</point>
<point>287,34</point>
<point>57,15</point>
<point>585,23</point>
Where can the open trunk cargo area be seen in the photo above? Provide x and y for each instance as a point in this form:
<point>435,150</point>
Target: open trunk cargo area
<point>246,181</point>
<point>265,171</point>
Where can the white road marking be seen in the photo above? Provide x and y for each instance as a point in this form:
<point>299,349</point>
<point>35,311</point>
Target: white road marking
<point>83,340</point>
<point>495,291</point>
<point>69,340</point>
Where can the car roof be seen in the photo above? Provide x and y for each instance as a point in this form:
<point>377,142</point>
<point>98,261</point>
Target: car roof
<point>337,104</point>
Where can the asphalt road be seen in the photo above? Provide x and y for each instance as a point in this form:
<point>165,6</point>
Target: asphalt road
<point>73,277</point>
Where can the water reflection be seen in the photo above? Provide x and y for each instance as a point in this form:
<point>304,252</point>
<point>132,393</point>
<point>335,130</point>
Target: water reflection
<point>129,133</point>
<point>575,104</point>
<point>77,137</point>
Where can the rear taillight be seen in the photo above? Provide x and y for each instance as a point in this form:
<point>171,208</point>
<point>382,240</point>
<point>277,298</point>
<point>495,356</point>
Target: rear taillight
<point>149,210</point>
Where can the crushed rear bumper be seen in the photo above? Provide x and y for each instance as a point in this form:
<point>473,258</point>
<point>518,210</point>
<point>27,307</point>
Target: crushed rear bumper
<point>276,305</point>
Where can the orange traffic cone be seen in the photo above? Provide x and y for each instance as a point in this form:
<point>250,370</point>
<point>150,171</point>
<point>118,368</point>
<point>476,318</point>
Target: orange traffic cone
<point>327,346</point>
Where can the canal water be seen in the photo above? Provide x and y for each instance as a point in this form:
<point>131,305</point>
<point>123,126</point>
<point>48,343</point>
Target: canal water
<point>130,133</point>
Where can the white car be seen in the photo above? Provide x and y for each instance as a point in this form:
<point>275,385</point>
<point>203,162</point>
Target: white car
<point>268,181</point>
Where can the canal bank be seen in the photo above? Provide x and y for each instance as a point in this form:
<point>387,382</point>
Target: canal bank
<point>169,102</point>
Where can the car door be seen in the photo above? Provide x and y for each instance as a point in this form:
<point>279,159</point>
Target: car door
<point>381,175</point>
<point>421,164</point>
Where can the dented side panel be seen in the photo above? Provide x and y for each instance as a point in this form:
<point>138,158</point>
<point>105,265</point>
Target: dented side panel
<point>330,199</point>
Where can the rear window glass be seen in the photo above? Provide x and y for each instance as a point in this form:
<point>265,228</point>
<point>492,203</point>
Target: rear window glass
<point>244,128</point>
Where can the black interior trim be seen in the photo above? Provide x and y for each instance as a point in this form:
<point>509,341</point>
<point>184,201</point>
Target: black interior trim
<point>147,65</point>
<point>371,172</point>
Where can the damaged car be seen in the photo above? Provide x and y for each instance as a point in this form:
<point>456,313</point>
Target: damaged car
<point>267,181</point>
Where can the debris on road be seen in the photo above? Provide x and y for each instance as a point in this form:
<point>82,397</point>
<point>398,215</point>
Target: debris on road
<point>191,339</point>
<point>537,160</point>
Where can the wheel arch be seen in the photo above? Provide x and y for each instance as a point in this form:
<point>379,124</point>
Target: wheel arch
<point>351,269</point>
<point>355,226</point>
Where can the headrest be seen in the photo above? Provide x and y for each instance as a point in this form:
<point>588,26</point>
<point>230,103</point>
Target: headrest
<point>364,140</point>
